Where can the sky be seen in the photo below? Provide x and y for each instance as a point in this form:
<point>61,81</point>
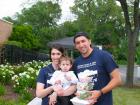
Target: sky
<point>10,7</point>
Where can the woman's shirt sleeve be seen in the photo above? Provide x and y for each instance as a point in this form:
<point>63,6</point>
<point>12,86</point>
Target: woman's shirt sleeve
<point>41,76</point>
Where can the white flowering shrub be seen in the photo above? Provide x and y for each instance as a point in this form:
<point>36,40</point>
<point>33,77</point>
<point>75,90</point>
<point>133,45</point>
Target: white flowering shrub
<point>21,76</point>
<point>6,72</point>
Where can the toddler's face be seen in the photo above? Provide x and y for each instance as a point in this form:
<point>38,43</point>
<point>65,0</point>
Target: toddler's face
<point>65,66</point>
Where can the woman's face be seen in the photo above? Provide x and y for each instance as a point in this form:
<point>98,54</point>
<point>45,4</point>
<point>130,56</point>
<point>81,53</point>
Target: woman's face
<point>55,56</point>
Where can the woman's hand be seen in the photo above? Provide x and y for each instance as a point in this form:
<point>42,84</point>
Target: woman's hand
<point>41,92</point>
<point>58,89</point>
<point>61,92</point>
<point>53,98</point>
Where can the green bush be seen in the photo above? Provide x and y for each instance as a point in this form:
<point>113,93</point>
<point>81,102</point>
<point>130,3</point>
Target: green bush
<point>23,76</point>
<point>2,89</point>
<point>122,62</point>
<point>16,43</point>
<point>25,95</point>
<point>12,102</point>
<point>6,73</point>
<point>24,34</point>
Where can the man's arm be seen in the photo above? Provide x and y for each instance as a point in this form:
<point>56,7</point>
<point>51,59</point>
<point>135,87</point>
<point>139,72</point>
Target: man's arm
<point>114,82</point>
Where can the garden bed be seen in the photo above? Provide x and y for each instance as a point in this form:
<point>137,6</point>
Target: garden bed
<point>9,94</point>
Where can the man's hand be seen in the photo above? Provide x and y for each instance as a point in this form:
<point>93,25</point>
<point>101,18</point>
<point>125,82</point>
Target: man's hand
<point>95,95</point>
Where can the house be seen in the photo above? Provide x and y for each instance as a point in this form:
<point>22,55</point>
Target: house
<point>5,31</point>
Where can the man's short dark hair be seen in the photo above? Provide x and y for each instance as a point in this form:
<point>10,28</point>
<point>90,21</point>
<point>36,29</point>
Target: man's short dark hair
<point>78,34</point>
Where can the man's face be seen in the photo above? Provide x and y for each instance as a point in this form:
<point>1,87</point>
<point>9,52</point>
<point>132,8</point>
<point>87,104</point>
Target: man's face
<point>82,44</point>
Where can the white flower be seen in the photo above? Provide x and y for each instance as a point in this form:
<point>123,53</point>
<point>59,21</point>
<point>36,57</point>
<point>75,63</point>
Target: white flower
<point>39,67</point>
<point>37,72</point>
<point>30,69</point>
<point>32,77</point>
<point>17,83</point>
<point>20,74</point>
<point>16,80</point>
<point>27,76</point>
<point>2,66</point>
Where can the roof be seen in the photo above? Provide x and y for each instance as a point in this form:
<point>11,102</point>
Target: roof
<point>65,42</point>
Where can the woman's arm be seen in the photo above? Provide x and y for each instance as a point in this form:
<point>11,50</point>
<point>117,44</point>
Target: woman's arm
<point>53,98</point>
<point>41,92</point>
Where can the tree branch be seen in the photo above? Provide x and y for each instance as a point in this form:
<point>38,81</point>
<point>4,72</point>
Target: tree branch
<point>126,14</point>
<point>136,14</point>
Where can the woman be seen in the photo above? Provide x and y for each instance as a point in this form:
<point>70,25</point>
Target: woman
<point>43,89</point>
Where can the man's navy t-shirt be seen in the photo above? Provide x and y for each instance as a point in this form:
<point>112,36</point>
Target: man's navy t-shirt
<point>103,63</point>
<point>44,75</point>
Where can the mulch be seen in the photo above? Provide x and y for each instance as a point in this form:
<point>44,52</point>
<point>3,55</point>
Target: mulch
<point>11,95</point>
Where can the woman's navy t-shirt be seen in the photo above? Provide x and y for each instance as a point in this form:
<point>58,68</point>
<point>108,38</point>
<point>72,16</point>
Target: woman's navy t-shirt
<point>44,75</point>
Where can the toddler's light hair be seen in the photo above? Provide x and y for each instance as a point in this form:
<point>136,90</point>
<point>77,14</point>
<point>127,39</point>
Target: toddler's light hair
<point>66,58</point>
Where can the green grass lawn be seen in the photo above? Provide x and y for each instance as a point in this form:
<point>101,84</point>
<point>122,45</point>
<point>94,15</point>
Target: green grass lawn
<point>121,96</point>
<point>126,96</point>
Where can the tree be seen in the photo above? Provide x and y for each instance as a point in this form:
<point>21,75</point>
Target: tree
<point>96,13</point>
<point>41,14</point>
<point>132,25</point>
<point>43,17</point>
<point>68,28</point>
<point>98,18</point>
<point>23,34</point>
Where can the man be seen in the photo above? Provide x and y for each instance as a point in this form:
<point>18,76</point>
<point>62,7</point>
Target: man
<point>108,75</point>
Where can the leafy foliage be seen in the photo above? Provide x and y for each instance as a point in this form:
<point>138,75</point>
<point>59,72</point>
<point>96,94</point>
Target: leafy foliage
<point>2,89</point>
<point>102,19</point>
<point>98,18</point>
<point>6,73</point>
<point>16,43</point>
<point>24,35</point>
<point>35,26</point>
<point>41,14</point>
<point>22,77</point>
<point>68,28</point>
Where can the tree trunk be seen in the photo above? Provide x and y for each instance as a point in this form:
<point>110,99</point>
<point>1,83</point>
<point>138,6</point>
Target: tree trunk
<point>132,36</point>
<point>131,58</point>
